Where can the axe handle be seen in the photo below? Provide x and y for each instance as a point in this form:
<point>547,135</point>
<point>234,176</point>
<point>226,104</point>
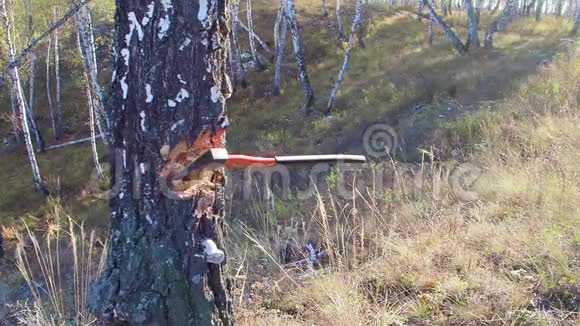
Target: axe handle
<point>337,158</point>
<point>236,161</point>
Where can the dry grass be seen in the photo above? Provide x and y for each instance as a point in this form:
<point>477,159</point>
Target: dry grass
<point>59,271</point>
<point>427,255</point>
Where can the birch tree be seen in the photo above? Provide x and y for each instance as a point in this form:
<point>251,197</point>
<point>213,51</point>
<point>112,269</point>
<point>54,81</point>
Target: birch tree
<point>473,39</point>
<point>255,57</point>
<point>539,6</point>
<point>238,73</point>
<point>356,22</point>
<point>48,87</point>
<point>500,23</point>
<point>84,52</point>
<point>339,20</point>
<point>299,55</point>
<point>58,113</point>
<point>87,48</point>
<point>167,107</point>
<point>451,36</point>
<point>15,116</point>
<point>19,95</point>
<point>576,20</point>
<point>280,50</point>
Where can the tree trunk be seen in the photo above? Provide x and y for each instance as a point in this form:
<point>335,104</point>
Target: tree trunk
<point>90,101</point>
<point>87,48</point>
<point>280,51</point>
<point>239,73</point>
<point>167,108</point>
<point>48,88</point>
<point>356,22</point>
<point>500,22</point>
<point>430,32</point>
<point>339,20</point>
<point>420,6</point>
<point>529,8</point>
<point>255,58</point>
<point>299,55</point>
<point>324,11</point>
<point>15,117</point>
<point>455,41</point>
<point>576,21</point>
<point>58,120</point>
<point>498,3</point>
<point>101,111</point>
<point>559,6</point>
<point>473,40</point>
<point>17,89</point>
<point>539,5</point>
<point>31,79</point>
<point>443,7</point>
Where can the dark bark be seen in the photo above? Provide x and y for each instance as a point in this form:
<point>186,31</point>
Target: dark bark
<point>500,22</point>
<point>168,106</point>
<point>455,41</point>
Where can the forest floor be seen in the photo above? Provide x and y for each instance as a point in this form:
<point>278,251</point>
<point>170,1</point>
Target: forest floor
<point>510,256</point>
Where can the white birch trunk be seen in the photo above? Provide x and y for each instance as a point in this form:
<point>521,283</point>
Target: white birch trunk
<point>90,102</point>
<point>15,119</point>
<point>58,119</point>
<point>239,74</point>
<point>17,88</point>
<point>48,88</point>
<point>31,79</point>
<point>500,22</point>
<point>299,55</point>
<point>87,45</point>
<point>280,52</point>
<point>251,34</point>
<point>339,20</point>
<point>356,21</point>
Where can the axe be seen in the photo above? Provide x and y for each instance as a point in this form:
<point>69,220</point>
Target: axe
<point>221,156</point>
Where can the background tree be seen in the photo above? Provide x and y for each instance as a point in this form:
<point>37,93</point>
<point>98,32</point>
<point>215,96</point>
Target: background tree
<point>21,103</point>
<point>299,55</point>
<point>576,20</point>
<point>500,22</point>
<point>168,106</point>
<point>356,22</point>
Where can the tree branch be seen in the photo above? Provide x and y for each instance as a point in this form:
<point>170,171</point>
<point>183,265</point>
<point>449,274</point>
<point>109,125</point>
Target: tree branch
<point>22,55</point>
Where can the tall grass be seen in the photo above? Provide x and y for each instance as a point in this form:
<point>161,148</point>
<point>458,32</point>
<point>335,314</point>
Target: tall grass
<point>423,253</point>
<point>59,268</point>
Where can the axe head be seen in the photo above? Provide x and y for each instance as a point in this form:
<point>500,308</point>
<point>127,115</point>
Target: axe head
<point>212,156</point>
